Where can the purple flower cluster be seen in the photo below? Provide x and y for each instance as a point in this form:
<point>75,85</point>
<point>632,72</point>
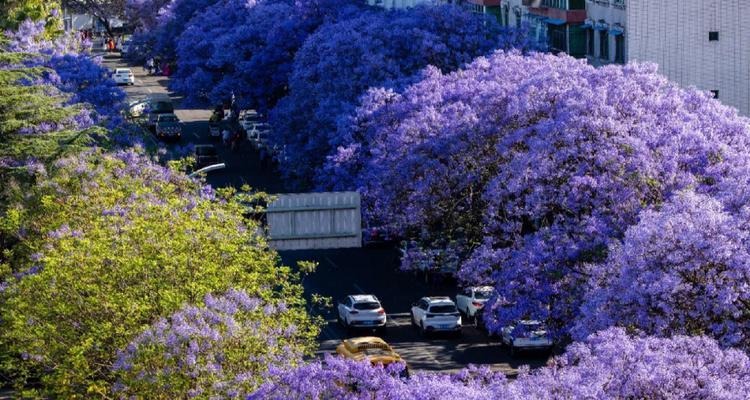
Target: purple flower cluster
<point>218,350</point>
<point>607,365</point>
<point>72,72</point>
<point>683,269</point>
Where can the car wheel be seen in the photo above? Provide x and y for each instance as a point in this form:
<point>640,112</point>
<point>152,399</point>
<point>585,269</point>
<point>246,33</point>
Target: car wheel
<point>512,350</point>
<point>382,331</point>
<point>422,331</point>
<point>413,322</point>
<point>338,318</point>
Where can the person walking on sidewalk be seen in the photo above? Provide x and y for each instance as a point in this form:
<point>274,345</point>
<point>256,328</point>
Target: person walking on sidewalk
<point>150,65</point>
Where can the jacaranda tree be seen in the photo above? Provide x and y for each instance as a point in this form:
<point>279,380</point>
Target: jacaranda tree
<point>683,269</point>
<point>340,61</point>
<point>534,166</point>
<point>248,48</point>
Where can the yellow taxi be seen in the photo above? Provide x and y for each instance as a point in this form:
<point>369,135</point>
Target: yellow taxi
<point>371,348</point>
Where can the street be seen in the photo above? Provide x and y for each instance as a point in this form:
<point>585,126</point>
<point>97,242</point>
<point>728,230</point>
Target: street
<point>345,271</point>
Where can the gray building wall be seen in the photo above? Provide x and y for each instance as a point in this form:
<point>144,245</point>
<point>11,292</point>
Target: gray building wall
<point>675,35</point>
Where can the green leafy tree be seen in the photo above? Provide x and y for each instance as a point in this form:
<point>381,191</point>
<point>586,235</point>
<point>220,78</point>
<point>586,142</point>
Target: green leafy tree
<point>14,12</point>
<point>111,243</point>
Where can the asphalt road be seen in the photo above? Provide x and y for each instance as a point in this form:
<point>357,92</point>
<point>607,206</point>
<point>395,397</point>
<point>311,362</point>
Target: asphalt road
<point>345,271</point>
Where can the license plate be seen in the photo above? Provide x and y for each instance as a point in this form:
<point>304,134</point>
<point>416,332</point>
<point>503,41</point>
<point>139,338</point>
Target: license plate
<point>368,323</point>
<point>445,326</point>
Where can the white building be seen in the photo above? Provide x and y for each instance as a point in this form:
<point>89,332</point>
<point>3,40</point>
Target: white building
<point>700,43</point>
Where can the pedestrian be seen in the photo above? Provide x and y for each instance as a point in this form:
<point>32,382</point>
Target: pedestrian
<point>150,65</point>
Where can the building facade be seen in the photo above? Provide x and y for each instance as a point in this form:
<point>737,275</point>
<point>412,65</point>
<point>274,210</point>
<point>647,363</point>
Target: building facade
<point>561,22</point>
<point>605,29</point>
<point>701,43</point>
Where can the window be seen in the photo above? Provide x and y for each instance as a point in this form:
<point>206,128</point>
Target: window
<point>558,38</point>
<point>443,309</point>
<point>713,36</point>
<point>590,42</point>
<point>604,45</point>
<point>715,93</point>
<point>620,49</point>
<point>370,305</point>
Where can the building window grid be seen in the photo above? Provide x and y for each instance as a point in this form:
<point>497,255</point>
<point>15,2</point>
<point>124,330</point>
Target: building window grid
<point>561,4</point>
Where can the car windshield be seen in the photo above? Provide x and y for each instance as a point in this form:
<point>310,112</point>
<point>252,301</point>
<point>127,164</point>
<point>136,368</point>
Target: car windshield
<point>526,327</point>
<point>443,309</point>
<point>366,306</point>
<point>482,294</point>
<point>162,107</point>
<point>205,151</point>
<point>168,118</point>
<point>122,71</point>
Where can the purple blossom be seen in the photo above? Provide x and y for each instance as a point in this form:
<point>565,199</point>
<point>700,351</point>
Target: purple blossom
<point>192,346</point>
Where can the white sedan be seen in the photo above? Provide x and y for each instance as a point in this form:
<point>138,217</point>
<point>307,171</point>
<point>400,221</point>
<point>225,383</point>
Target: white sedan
<point>248,119</point>
<point>362,311</point>
<point>526,335</point>
<point>124,76</point>
<point>436,314</point>
<point>471,300</point>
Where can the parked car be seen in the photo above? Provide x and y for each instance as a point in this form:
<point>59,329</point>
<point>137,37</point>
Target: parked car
<point>248,119</point>
<point>123,76</point>
<point>370,348</point>
<point>526,335</point>
<point>436,314</point>
<point>168,127</point>
<point>205,155</point>
<point>137,108</point>
<point>362,311</point>
<point>258,134</point>
<point>471,300</point>
<point>158,106</point>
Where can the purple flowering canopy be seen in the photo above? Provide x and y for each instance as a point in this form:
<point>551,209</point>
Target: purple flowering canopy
<point>248,47</point>
<point>683,269</point>
<point>607,365</point>
<point>340,61</point>
<point>530,167</point>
